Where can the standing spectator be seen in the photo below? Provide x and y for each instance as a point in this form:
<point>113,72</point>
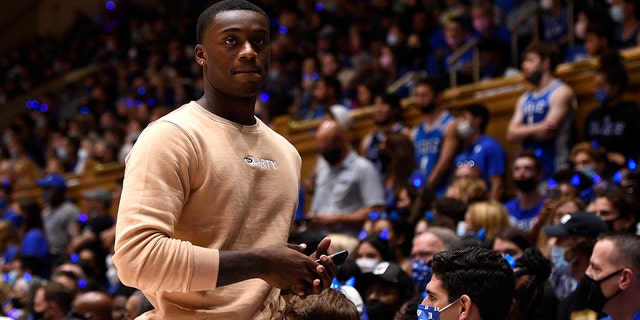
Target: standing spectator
<point>525,208</point>
<point>435,138</point>
<point>460,288</point>
<point>348,186</point>
<point>542,117</point>
<point>59,215</point>
<point>480,150</point>
<point>211,218</point>
<point>34,240</point>
<point>387,116</point>
<point>611,283</point>
<point>6,210</point>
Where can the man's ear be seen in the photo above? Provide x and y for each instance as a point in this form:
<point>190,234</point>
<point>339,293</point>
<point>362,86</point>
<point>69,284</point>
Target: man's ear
<point>199,54</point>
<point>465,307</point>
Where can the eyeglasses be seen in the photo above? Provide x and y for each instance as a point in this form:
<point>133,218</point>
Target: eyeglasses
<point>465,163</point>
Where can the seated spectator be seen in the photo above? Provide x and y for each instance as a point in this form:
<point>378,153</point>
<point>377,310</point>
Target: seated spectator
<point>577,234</point>
<point>399,168</point>
<point>618,209</point>
<point>468,191</point>
<point>92,305</point>
<point>330,304</point>
<point>397,231</point>
<point>371,251</point>
<point>34,238</point>
<point>480,150</point>
<point>525,208</point>
<point>459,287</point>
<point>511,241</point>
<point>7,211</point>
<point>384,290</point>
<point>425,245</point>
<point>137,304</point>
<point>483,220</point>
<point>532,271</point>
<point>52,301</point>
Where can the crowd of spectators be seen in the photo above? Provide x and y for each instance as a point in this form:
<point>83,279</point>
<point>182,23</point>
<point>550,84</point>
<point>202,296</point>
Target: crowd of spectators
<point>322,54</point>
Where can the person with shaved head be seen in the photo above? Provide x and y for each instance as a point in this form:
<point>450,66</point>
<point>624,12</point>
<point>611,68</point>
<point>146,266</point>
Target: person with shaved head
<point>348,186</point>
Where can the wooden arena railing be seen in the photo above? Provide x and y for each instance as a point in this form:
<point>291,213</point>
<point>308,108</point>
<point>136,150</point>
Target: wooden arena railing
<point>499,95</point>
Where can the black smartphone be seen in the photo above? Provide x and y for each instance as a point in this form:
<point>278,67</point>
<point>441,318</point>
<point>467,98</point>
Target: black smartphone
<point>338,258</point>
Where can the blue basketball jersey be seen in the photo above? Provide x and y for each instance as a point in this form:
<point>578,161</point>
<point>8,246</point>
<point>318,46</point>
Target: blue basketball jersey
<point>428,142</point>
<point>554,152</point>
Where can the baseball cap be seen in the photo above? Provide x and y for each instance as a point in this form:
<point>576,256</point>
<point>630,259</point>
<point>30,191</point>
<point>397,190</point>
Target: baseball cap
<point>52,180</point>
<point>387,272</point>
<point>97,194</point>
<point>579,223</point>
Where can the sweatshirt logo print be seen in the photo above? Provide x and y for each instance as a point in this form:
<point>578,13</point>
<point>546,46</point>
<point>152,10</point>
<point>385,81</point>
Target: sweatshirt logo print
<point>260,162</point>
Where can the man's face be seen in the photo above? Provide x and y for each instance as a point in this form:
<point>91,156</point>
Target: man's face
<point>382,112</point>
<point>425,246</point>
<point>424,96</point>
<point>437,296</point>
<point>604,209</point>
<point>385,293</point>
<point>504,247</point>
<point>39,304</point>
<point>601,266</point>
<point>235,51</point>
<point>524,168</point>
<point>583,161</point>
<point>532,62</point>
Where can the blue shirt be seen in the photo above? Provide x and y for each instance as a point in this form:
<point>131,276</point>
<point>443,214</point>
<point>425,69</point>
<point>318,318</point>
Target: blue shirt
<point>521,218</point>
<point>635,317</point>
<point>487,154</point>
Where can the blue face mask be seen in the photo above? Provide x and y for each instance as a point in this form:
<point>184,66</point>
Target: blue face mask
<point>602,96</point>
<point>432,313</point>
<point>420,273</point>
<point>557,257</point>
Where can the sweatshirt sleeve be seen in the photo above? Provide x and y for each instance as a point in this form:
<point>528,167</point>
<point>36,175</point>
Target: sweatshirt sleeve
<point>158,177</point>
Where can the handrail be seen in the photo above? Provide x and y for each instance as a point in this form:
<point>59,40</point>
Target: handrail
<point>406,78</point>
<point>455,56</point>
<point>532,11</point>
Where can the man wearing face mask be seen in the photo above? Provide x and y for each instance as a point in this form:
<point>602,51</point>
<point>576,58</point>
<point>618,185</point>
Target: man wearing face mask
<point>459,288</point>
<point>384,290</point>
<point>543,115</point>
<point>481,150</point>
<point>576,236</point>
<point>59,215</point>
<point>612,281</point>
<point>425,245</point>
<point>525,208</point>
<point>435,138</point>
<point>347,185</point>
<point>613,125</point>
<point>626,13</point>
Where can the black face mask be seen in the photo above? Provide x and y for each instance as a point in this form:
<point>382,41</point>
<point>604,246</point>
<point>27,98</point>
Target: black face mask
<point>428,108</point>
<point>377,310</point>
<point>332,156</point>
<point>526,185</point>
<point>590,292</point>
<point>16,303</point>
<point>37,315</point>
<point>609,224</point>
<point>534,77</point>
<point>384,158</point>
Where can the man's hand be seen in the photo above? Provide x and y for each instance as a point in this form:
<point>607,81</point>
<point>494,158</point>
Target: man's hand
<point>326,270</point>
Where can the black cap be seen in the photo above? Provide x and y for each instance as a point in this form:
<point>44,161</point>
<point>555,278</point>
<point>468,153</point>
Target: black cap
<point>386,272</point>
<point>579,223</point>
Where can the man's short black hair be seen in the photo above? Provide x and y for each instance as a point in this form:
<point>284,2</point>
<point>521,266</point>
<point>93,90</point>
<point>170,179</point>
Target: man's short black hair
<point>437,85</point>
<point>206,17</point>
<point>478,111</point>
<point>482,274</point>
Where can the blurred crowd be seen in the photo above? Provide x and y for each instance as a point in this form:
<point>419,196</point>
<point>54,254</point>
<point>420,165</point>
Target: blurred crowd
<point>413,199</point>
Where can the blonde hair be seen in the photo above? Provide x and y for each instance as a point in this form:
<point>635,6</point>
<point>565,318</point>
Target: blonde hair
<point>341,242</point>
<point>490,215</point>
<point>468,190</point>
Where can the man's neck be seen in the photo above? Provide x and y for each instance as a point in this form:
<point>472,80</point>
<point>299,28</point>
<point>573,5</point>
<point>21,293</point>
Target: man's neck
<point>432,116</point>
<point>625,305</point>
<point>238,110</point>
<point>529,200</point>
<point>547,79</point>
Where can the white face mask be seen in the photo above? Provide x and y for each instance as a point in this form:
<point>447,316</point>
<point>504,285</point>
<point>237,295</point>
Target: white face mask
<point>464,129</point>
<point>616,13</point>
<point>366,265</point>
